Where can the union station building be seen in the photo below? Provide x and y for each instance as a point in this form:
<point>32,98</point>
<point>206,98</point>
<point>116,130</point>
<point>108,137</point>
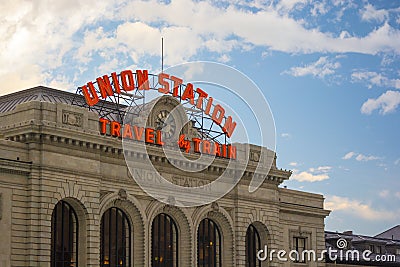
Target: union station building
<point>67,197</point>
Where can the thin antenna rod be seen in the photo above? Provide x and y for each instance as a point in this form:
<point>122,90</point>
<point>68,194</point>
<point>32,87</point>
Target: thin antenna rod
<point>162,54</point>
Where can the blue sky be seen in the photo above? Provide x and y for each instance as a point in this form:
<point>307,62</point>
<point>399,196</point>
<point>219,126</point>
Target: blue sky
<point>329,69</point>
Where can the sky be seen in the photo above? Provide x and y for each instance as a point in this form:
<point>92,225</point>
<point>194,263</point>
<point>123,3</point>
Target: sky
<point>329,70</point>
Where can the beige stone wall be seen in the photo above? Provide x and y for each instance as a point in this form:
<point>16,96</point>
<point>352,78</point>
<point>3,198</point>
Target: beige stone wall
<point>54,152</point>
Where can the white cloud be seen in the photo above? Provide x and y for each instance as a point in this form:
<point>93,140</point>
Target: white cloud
<point>370,13</point>
<point>385,103</point>
<point>289,5</point>
<point>37,36</point>
<point>359,156</point>
<point>286,135</point>
<point>320,68</point>
<point>293,164</point>
<point>349,155</point>
<point>397,194</point>
<point>319,8</point>
<point>397,161</point>
<point>224,58</point>
<point>45,37</point>
<point>312,175</point>
<point>358,209</point>
<point>374,79</point>
<point>309,177</point>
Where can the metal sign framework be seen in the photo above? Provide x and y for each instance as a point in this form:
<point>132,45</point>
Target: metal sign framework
<point>117,106</point>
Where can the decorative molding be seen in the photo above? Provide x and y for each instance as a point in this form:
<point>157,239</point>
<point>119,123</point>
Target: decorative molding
<point>122,194</point>
<point>1,206</point>
<point>72,118</point>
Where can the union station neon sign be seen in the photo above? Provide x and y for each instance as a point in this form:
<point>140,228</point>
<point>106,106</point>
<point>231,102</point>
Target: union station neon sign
<point>108,86</point>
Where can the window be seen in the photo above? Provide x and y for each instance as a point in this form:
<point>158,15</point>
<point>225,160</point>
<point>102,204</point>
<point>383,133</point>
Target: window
<point>253,245</point>
<point>371,248</point>
<point>208,244</point>
<point>398,251</point>
<point>164,242</point>
<point>379,250</point>
<point>115,235</point>
<point>299,245</point>
<point>64,236</point>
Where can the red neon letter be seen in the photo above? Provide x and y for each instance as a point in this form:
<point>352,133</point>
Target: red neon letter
<point>91,98</point>
<point>115,129</point>
<point>158,138</point>
<point>196,142</point>
<point>165,85</point>
<point>224,150</point>
<point>177,83</point>
<point>103,125</point>
<point>202,95</point>
<point>229,126</point>
<point>189,93</point>
<point>104,86</point>
<point>206,147</point>
<point>143,80</point>
<point>127,132</point>
<point>149,135</point>
<point>130,84</point>
<point>116,82</point>
<point>208,107</point>
<point>217,149</point>
<point>231,152</point>
<point>138,132</point>
<point>218,114</point>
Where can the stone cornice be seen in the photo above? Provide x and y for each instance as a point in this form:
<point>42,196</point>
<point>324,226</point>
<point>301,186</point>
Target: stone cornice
<point>15,166</point>
<point>43,132</point>
<point>303,209</point>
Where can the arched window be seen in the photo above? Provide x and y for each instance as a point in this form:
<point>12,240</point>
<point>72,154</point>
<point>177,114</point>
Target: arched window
<point>208,244</point>
<point>164,247</point>
<point>253,245</point>
<point>64,236</point>
<point>115,232</point>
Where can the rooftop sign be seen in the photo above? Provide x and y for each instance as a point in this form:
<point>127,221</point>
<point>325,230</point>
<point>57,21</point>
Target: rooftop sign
<point>127,81</point>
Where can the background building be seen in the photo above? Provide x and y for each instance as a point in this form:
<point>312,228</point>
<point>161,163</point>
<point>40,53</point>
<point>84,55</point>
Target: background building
<point>384,245</point>
<point>67,199</point>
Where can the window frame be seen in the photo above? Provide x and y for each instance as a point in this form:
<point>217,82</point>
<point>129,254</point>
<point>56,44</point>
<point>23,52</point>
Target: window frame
<point>54,261</point>
<point>257,239</point>
<point>126,235</point>
<point>296,247</point>
<point>174,239</point>
<point>217,238</point>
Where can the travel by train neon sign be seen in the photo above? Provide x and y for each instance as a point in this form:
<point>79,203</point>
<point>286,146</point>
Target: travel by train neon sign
<point>128,81</point>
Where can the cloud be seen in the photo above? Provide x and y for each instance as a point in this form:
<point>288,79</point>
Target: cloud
<point>286,135</point>
<point>359,156</point>
<point>358,209</point>
<point>374,79</point>
<point>312,175</point>
<point>397,161</point>
<point>320,68</point>
<point>397,194</point>
<point>309,177</point>
<point>224,58</point>
<point>45,38</point>
<point>293,164</point>
<point>385,103</point>
<point>349,155</point>
<point>39,36</point>
<point>369,13</point>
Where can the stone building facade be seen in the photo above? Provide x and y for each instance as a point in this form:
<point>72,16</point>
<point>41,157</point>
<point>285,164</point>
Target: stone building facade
<point>51,152</point>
